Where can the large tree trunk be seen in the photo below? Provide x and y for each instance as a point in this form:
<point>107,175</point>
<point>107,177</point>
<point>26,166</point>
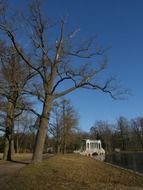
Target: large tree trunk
<point>42,132</point>
<point>40,140</point>
<point>8,146</point>
<point>9,123</point>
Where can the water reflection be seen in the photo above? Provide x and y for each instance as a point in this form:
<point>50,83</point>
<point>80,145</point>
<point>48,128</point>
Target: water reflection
<point>132,161</point>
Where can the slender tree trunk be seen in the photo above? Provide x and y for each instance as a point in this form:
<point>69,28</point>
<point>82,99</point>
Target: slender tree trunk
<point>65,149</point>
<point>6,147</point>
<point>17,144</point>
<point>9,156</point>
<point>12,147</point>
<point>64,129</point>
<point>58,149</point>
<point>64,144</point>
<point>140,138</point>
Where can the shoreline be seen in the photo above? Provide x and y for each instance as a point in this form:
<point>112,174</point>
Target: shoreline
<point>131,161</point>
<point>124,152</point>
<point>126,169</point>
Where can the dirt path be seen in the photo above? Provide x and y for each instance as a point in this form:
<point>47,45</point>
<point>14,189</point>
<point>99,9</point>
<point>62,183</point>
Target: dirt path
<point>10,168</point>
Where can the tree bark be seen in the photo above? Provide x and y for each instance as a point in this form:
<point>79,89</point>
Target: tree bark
<point>9,123</point>
<point>6,147</point>
<point>40,141</point>
<point>42,131</point>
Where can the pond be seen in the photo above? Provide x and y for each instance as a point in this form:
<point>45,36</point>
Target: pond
<point>133,161</point>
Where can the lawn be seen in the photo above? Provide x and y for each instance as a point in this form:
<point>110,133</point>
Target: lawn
<point>72,172</point>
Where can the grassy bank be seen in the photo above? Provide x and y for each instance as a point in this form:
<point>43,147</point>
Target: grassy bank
<point>19,156</point>
<point>72,172</point>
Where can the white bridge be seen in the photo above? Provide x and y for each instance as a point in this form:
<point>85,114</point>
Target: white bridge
<point>92,148</point>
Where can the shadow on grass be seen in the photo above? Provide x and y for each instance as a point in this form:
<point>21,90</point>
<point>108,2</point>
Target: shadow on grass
<point>21,162</point>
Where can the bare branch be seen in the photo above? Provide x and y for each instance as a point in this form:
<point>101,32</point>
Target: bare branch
<point>11,36</point>
<point>58,95</point>
<point>60,81</point>
<point>36,93</point>
<point>18,114</point>
<point>27,108</point>
<point>59,44</point>
<point>79,55</point>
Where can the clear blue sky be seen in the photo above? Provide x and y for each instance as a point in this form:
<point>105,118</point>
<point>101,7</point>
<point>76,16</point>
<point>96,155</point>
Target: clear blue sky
<point>118,24</point>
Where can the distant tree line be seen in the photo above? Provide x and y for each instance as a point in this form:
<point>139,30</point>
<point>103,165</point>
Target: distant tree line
<point>64,135</point>
<point>124,135</point>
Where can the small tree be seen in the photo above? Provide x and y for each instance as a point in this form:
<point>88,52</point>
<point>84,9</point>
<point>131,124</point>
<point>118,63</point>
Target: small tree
<point>123,126</point>
<point>25,132</point>
<point>102,130</point>
<point>64,125</point>
<point>137,127</point>
<point>55,127</point>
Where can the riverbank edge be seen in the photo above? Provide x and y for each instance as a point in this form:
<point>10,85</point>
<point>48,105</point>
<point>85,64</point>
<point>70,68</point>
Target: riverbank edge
<point>126,169</point>
<point>124,152</point>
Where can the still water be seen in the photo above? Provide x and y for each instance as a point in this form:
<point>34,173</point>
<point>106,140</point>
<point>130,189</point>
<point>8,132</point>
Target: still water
<point>133,161</point>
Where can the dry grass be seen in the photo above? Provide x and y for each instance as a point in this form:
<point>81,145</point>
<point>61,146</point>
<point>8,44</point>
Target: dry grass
<point>72,172</point>
<point>23,156</point>
<point>20,156</point>
<point>1,161</point>
<point>1,156</point>
<point>17,157</point>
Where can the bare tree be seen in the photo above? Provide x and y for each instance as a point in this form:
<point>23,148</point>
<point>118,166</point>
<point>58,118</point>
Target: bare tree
<point>25,132</point>
<point>64,126</point>
<point>123,126</point>
<point>59,61</point>
<point>13,78</point>
<point>69,123</point>
<point>55,127</point>
<point>102,130</point>
<point>137,126</point>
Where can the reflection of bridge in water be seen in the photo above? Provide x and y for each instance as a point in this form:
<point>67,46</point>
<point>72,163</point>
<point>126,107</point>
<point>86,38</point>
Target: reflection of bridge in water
<point>92,148</point>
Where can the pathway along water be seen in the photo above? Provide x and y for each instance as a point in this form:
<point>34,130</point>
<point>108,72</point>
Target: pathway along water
<point>133,161</point>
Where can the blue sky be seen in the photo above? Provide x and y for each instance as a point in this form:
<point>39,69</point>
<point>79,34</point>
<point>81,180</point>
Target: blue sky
<point>118,24</point>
